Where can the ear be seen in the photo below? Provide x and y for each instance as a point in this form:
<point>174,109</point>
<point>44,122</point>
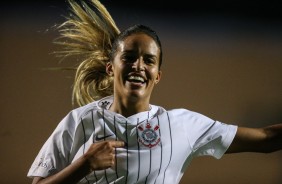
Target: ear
<point>109,69</point>
<point>158,78</point>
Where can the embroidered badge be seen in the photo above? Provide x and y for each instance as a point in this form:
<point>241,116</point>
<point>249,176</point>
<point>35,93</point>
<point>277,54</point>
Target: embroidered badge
<point>104,104</point>
<point>148,135</point>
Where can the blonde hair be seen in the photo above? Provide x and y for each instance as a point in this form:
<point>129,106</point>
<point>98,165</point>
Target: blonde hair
<point>89,32</point>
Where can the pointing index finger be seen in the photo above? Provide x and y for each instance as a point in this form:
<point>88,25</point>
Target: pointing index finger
<point>118,144</point>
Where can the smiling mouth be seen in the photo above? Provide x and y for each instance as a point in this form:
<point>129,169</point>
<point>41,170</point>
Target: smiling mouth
<point>136,79</point>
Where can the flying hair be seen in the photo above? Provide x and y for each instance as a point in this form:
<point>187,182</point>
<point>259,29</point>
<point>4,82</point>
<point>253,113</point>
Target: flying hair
<point>88,32</point>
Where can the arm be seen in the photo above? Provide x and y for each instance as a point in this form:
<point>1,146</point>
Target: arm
<point>71,174</point>
<point>98,157</point>
<point>263,140</point>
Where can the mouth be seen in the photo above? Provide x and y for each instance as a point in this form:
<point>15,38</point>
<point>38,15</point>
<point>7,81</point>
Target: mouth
<point>137,79</point>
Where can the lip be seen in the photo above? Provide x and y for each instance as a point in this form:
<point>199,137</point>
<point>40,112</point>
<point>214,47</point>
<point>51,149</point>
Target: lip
<point>138,75</point>
<point>134,84</point>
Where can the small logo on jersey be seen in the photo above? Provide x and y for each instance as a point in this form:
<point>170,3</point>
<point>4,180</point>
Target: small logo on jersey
<point>104,104</point>
<point>149,135</point>
<point>42,163</point>
<point>103,137</point>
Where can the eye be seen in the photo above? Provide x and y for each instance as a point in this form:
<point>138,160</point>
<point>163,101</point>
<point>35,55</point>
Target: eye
<point>128,58</point>
<point>150,60</point>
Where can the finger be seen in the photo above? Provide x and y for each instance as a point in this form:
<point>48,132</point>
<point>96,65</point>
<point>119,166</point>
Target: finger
<point>114,151</point>
<point>118,144</point>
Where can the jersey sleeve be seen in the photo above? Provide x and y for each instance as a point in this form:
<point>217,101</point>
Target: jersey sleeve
<point>54,154</point>
<point>207,136</point>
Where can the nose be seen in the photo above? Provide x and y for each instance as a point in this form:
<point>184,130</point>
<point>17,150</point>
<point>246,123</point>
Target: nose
<point>138,65</point>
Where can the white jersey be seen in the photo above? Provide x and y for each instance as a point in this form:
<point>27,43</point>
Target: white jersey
<point>160,144</point>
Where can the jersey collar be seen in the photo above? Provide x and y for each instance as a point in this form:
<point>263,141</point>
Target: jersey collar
<point>105,104</point>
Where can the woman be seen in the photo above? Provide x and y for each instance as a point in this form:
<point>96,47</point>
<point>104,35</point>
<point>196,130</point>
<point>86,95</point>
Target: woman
<point>117,136</point>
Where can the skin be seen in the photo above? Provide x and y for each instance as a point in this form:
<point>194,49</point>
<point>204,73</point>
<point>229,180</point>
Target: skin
<point>98,157</point>
<point>262,140</point>
<point>138,55</point>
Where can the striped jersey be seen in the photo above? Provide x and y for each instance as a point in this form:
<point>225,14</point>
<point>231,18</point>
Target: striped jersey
<point>160,143</point>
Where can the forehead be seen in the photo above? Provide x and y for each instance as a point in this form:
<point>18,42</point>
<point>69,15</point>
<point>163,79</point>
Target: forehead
<point>139,42</point>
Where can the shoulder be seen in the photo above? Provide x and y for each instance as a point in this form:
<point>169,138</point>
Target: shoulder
<point>185,112</point>
<point>185,116</point>
<point>173,112</point>
<point>80,112</point>
<point>75,116</point>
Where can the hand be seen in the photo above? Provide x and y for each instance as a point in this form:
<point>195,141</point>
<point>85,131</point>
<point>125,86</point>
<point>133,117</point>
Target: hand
<point>101,155</point>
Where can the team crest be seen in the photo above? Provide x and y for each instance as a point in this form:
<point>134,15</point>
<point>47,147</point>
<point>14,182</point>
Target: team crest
<point>149,135</point>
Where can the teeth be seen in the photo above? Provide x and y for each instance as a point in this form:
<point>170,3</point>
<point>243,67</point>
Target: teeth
<point>137,78</point>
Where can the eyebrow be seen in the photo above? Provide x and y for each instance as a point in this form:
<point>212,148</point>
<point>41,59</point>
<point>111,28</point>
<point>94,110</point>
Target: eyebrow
<point>133,52</point>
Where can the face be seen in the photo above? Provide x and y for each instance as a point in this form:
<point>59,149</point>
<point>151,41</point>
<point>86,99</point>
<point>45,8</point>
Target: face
<point>135,67</point>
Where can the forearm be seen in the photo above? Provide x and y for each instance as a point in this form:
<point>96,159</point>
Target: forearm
<point>71,174</point>
<point>98,157</point>
<point>273,138</point>
<point>263,140</point>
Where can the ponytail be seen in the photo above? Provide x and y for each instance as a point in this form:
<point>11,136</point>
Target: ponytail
<point>89,32</point>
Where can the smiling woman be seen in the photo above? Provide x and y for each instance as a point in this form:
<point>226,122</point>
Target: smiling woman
<point>117,136</point>
<point>136,69</point>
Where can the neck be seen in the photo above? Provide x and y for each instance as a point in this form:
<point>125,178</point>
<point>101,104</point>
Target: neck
<point>128,107</point>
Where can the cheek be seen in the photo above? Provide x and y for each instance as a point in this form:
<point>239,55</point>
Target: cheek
<point>154,73</point>
<point>118,68</point>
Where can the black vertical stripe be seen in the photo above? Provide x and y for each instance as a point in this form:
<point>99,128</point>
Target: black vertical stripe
<point>104,140</point>
<point>150,162</point>
<point>170,145</point>
<point>161,150</point>
<point>138,146</point>
<point>115,129</point>
<point>84,141</point>
<point>93,123</point>
<point>149,166</point>
<point>104,124</point>
<point>126,137</point>
<point>84,136</point>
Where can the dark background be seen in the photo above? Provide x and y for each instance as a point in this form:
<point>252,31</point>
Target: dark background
<point>221,58</point>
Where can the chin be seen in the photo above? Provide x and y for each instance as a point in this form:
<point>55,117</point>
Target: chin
<point>136,96</point>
